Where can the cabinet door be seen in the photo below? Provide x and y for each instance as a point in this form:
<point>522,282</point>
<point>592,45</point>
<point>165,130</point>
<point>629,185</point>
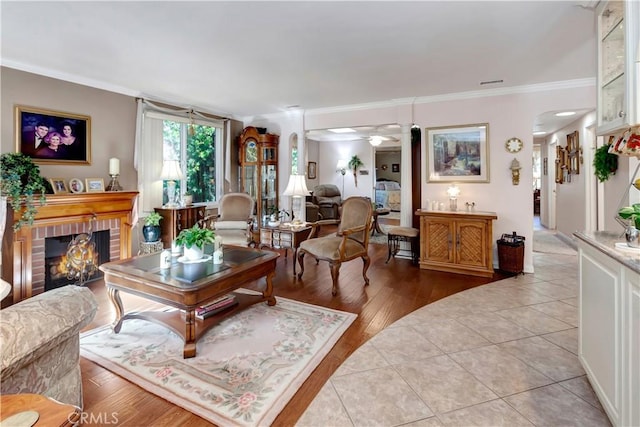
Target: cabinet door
<point>470,243</point>
<point>439,239</point>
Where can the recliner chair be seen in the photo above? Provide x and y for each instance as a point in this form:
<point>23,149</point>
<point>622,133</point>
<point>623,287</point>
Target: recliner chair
<point>329,200</point>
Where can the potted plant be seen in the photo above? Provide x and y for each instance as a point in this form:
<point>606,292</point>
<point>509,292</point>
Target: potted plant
<point>151,228</point>
<point>354,164</point>
<point>187,198</point>
<point>632,214</point>
<point>21,183</point>
<point>604,163</point>
<point>193,239</point>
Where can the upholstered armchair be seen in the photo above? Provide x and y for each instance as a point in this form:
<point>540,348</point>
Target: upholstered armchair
<point>234,219</point>
<point>40,350</point>
<point>328,199</point>
<point>349,242</point>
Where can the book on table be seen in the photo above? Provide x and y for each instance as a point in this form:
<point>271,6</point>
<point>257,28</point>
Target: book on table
<point>216,306</point>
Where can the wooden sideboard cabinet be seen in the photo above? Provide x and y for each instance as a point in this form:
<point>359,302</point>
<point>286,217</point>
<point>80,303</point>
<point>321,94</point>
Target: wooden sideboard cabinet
<point>175,220</point>
<point>457,242</point>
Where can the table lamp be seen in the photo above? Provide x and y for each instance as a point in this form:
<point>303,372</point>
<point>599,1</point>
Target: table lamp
<point>296,188</point>
<point>453,192</point>
<point>171,173</point>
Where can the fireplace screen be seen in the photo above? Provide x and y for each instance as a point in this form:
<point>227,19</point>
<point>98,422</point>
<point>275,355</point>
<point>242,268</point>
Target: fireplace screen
<point>75,258</point>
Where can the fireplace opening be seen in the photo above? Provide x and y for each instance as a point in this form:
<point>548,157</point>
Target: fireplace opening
<point>75,258</point>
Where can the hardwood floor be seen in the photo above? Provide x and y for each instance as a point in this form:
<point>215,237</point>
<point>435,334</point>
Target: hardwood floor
<point>395,290</point>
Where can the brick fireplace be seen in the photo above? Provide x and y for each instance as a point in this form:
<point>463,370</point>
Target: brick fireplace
<point>23,253</point>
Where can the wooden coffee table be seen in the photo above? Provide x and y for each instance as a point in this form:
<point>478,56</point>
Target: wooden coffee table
<point>186,286</point>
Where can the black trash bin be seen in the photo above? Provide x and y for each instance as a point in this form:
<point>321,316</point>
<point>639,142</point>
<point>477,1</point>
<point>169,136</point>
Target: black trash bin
<point>511,253</point>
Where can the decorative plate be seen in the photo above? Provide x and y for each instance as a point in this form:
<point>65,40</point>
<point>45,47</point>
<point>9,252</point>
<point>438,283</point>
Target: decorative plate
<point>184,260</point>
<point>513,145</point>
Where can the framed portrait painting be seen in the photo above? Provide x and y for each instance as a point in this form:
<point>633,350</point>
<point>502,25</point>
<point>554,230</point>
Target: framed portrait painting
<point>458,153</point>
<point>52,137</point>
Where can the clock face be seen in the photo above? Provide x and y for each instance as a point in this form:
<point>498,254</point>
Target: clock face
<point>513,145</point>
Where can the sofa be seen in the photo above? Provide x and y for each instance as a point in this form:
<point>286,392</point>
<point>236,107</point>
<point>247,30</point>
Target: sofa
<point>328,199</point>
<point>40,350</point>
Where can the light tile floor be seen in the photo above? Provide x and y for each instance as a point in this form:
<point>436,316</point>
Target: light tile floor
<point>503,354</point>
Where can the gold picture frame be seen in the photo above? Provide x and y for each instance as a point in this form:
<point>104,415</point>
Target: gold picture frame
<point>94,185</point>
<point>53,137</point>
<point>59,185</point>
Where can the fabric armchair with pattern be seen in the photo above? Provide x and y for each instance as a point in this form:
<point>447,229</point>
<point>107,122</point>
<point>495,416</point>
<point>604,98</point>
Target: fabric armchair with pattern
<point>349,242</point>
<point>40,350</point>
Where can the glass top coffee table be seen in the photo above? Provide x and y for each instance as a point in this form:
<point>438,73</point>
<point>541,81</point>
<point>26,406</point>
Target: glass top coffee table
<point>186,286</point>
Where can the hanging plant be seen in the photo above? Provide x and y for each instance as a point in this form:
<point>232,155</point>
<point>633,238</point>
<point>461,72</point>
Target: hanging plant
<point>20,182</point>
<point>604,163</point>
<point>354,164</point>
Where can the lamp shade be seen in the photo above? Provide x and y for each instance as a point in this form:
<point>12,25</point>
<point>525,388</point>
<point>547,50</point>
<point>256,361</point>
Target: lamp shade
<point>171,171</point>
<point>297,186</point>
<point>342,165</point>
<point>453,191</point>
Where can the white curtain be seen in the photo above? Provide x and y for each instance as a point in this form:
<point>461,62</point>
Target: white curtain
<point>148,159</point>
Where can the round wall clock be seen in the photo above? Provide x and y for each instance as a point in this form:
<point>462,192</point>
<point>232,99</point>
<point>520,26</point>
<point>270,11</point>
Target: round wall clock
<point>513,145</point>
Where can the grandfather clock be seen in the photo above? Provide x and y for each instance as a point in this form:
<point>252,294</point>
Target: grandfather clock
<point>258,173</point>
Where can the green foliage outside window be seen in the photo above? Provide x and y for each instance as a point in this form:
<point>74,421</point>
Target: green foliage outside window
<point>201,156</point>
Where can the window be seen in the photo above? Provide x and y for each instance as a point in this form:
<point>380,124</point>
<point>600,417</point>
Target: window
<point>194,145</point>
<point>195,140</point>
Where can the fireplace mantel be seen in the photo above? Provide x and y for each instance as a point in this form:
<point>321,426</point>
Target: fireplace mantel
<point>62,214</point>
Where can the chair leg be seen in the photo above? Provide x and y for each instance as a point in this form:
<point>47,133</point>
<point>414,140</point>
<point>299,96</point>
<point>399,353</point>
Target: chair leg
<point>335,272</point>
<point>301,262</point>
<point>389,241</point>
<point>365,267</point>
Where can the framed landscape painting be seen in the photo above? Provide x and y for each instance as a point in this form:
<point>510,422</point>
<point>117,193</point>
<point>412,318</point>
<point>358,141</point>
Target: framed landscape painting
<point>53,137</point>
<point>458,153</point>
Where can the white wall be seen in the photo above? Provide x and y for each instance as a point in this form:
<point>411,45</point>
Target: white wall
<point>570,196</point>
<point>508,116</point>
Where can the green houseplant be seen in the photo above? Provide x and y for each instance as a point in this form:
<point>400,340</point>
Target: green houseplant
<point>193,239</point>
<point>151,228</point>
<point>604,163</point>
<point>632,213</point>
<point>354,164</point>
<point>21,183</point>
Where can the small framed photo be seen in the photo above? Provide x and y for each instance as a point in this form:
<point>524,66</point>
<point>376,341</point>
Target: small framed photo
<point>76,185</point>
<point>311,170</point>
<point>395,167</point>
<point>58,185</point>
<point>94,185</point>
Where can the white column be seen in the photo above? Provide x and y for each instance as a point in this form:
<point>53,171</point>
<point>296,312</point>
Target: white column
<point>406,205</point>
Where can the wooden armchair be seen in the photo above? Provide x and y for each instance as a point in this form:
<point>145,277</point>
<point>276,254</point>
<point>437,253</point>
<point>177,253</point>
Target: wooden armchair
<point>349,242</point>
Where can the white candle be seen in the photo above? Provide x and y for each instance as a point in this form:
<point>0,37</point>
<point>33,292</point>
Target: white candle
<point>114,166</point>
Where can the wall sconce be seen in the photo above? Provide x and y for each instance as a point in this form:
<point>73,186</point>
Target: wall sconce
<point>453,192</point>
<point>515,172</point>
<point>342,168</point>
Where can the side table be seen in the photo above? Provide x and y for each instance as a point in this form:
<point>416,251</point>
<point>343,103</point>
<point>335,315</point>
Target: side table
<point>51,412</point>
<point>375,226</point>
<point>284,237</point>
<point>150,247</point>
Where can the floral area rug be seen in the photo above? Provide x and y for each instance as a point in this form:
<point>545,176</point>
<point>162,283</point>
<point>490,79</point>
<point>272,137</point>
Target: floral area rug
<point>246,368</point>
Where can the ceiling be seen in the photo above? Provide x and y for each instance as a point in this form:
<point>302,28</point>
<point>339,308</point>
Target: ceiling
<point>245,59</point>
